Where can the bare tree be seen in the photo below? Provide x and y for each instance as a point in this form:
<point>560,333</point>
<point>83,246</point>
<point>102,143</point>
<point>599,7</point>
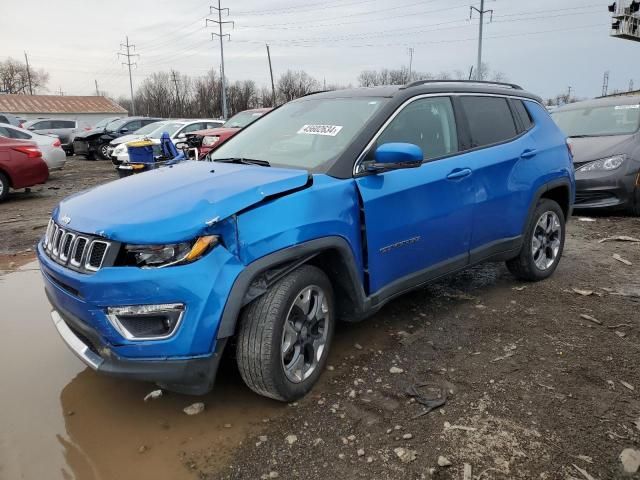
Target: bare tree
<point>295,84</point>
<point>14,77</point>
<point>384,76</point>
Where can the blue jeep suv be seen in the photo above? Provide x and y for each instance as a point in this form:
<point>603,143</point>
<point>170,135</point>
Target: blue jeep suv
<point>322,210</point>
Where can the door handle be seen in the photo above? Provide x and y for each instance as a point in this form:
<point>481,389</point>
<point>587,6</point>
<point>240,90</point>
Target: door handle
<point>528,153</point>
<point>459,173</point>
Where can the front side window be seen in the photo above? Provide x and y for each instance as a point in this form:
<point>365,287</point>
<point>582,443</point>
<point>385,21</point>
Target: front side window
<point>170,127</point>
<point>490,120</point>
<point>308,133</point>
<point>193,127</point>
<point>428,123</point>
<point>599,121</point>
<point>63,124</point>
<point>242,119</point>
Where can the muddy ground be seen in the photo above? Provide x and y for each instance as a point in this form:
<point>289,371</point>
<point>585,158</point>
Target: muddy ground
<point>541,381</point>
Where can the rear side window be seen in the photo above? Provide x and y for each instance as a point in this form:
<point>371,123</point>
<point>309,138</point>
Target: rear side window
<point>63,124</point>
<point>490,120</point>
<point>41,125</point>
<point>3,119</point>
<point>523,114</point>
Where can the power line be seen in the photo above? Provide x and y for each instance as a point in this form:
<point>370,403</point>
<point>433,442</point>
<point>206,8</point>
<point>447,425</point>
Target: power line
<point>129,64</point>
<point>221,36</point>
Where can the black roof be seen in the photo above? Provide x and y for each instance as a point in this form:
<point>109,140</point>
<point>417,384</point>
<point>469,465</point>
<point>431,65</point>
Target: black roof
<point>443,86</point>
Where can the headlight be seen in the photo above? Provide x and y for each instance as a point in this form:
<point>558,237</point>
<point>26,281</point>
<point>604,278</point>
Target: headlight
<point>120,149</point>
<point>604,164</point>
<point>208,141</point>
<point>160,256</point>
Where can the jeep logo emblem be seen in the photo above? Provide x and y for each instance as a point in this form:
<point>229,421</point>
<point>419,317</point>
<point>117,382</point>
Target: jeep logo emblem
<point>65,219</point>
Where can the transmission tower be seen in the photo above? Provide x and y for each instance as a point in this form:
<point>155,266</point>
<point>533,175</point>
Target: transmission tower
<point>221,36</point>
<point>128,47</point>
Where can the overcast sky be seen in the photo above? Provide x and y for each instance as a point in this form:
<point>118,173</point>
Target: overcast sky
<point>545,45</point>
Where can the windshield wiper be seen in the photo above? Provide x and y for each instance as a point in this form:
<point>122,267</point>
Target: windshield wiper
<point>244,161</point>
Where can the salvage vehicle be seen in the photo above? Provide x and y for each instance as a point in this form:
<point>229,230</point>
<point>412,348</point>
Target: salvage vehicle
<point>605,136</point>
<point>96,142</point>
<point>203,141</point>
<point>62,128</point>
<point>21,165</point>
<point>49,145</point>
<point>177,130</point>
<point>323,210</point>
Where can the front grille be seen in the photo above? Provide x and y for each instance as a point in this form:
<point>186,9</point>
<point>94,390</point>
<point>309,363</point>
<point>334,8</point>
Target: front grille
<point>80,252</point>
<point>591,197</point>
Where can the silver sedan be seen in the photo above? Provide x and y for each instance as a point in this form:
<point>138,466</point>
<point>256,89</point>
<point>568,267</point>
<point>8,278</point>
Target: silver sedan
<point>50,146</point>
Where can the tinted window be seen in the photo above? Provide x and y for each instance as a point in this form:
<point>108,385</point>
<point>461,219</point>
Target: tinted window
<point>213,124</point>
<point>598,121</point>
<point>193,127</point>
<point>3,119</point>
<point>523,113</point>
<point>490,120</point>
<point>12,133</point>
<point>63,124</point>
<point>41,125</point>
<point>428,123</point>
<point>133,126</point>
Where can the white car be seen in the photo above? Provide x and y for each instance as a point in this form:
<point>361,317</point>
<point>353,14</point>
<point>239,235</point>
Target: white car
<point>177,130</point>
<point>52,153</point>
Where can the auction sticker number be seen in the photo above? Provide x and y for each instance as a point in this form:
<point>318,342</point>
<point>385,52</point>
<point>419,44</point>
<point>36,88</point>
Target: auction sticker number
<point>328,130</point>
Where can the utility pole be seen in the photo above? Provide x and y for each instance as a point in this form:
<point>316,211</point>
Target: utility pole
<point>482,12</point>
<point>221,36</point>
<point>26,59</point>
<point>129,64</point>
<point>605,84</point>
<point>60,92</point>
<point>273,85</point>
<point>631,85</point>
<point>411,50</point>
<point>97,91</point>
<point>569,95</point>
<point>175,82</point>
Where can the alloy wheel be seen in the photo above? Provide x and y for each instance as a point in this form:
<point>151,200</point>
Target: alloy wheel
<point>305,334</point>
<point>104,151</point>
<point>546,240</point>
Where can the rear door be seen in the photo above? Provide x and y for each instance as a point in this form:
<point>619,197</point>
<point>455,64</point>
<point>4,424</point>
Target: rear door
<point>499,146</point>
<point>418,220</point>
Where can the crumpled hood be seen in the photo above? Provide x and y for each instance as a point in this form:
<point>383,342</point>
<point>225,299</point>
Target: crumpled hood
<point>89,133</point>
<point>588,149</point>
<point>173,204</point>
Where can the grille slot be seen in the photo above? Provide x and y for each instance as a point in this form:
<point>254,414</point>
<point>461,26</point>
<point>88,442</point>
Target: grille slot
<point>65,246</point>
<point>78,251</point>
<point>96,255</point>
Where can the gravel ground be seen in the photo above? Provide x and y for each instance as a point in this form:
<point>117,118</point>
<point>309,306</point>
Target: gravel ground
<point>541,381</point>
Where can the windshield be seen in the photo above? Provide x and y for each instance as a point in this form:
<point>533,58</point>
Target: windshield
<point>242,119</point>
<point>147,129</point>
<point>169,127</point>
<point>599,121</point>
<point>104,122</point>
<point>309,133</point>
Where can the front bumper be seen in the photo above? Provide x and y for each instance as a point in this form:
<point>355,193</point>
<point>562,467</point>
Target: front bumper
<point>608,190</point>
<point>188,358</point>
<point>191,376</point>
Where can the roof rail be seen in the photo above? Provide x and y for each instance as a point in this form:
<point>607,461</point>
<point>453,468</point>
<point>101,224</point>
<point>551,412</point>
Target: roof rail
<point>468,82</point>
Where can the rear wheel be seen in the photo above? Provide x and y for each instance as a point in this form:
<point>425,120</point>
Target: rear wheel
<point>543,243</point>
<point>4,186</point>
<point>285,335</point>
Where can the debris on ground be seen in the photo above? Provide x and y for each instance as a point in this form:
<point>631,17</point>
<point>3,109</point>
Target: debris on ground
<point>291,439</point>
<point>584,473</point>
<point>467,473</point>
<point>405,455</point>
<point>444,461</point>
<point>627,385</point>
<point>630,459</point>
<point>448,426</point>
<point>622,260</point>
<point>586,219</point>
<point>590,318</point>
<point>153,395</point>
<point>584,293</point>
<point>429,402</point>
<point>194,409</point>
<point>143,449</point>
<point>620,238</point>
<point>396,370</point>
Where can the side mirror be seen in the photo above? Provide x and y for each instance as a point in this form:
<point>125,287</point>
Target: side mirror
<point>124,130</point>
<point>182,135</point>
<point>395,156</point>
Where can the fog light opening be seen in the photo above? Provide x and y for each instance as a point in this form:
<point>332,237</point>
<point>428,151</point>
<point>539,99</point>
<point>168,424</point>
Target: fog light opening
<point>146,322</point>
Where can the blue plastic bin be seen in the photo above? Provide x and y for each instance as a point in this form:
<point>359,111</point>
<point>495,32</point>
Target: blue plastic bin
<point>141,152</point>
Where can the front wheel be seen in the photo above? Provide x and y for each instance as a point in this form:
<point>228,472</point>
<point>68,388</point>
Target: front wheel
<point>285,335</point>
<point>103,151</point>
<point>543,243</point>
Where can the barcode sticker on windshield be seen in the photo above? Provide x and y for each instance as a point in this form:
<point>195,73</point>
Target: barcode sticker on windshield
<point>627,107</point>
<point>328,130</point>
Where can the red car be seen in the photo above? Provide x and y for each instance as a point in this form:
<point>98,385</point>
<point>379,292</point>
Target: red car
<point>21,165</point>
<point>207,140</point>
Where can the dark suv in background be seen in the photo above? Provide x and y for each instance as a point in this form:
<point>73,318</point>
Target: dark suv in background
<point>96,141</point>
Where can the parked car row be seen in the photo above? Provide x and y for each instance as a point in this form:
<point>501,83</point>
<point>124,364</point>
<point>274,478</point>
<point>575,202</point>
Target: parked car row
<point>49,145</point>
<point>21,165</point>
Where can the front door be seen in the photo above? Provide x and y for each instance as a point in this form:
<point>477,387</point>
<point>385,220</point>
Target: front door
<point>418,220</point>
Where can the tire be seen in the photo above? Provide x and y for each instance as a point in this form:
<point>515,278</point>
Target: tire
<point>634,203</point>
<point>4,186</point>
<point>263,335</point>
<point>102,151</point>
<point>124,173</point>
<point>535,264</point>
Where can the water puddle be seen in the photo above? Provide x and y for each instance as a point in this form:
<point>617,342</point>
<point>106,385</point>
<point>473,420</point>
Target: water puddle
<point>59,419</point>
